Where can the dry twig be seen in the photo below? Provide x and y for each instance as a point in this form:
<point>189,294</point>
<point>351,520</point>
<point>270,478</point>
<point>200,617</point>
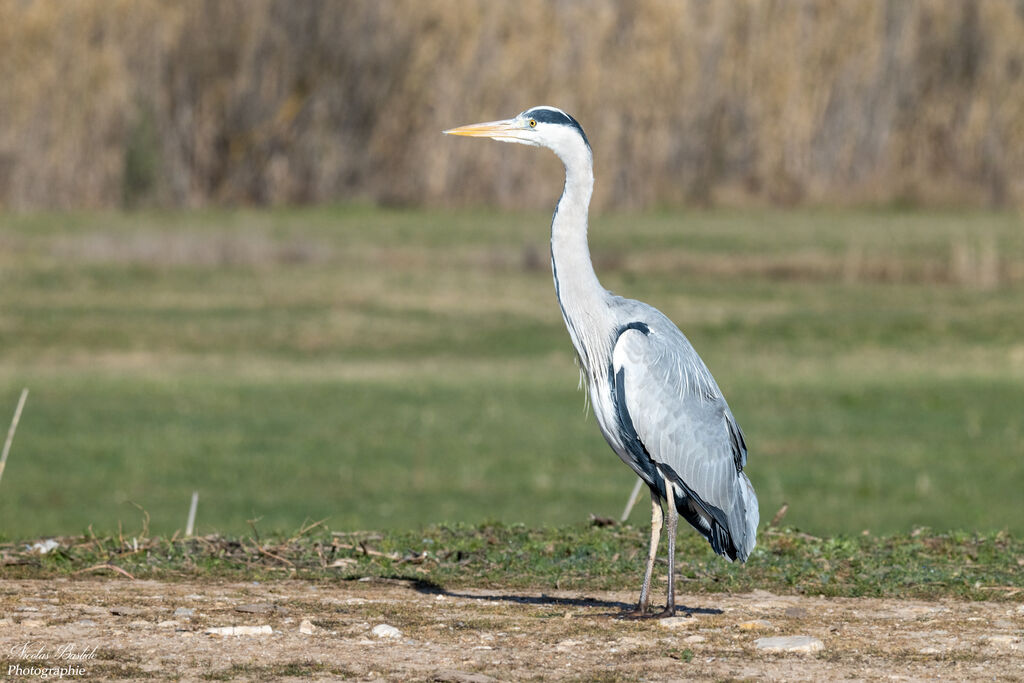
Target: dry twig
<point>109,566</point>
<point>306,529</point>
<point>11,430</point>
<point>367,551</point>
<point>778,516</point>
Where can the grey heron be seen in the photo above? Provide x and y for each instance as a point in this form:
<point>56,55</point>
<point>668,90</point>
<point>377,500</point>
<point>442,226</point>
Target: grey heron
<point>655,400</point>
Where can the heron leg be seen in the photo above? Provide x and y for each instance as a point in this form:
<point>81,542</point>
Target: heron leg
<point>673,522</point>
<point>656,524</point>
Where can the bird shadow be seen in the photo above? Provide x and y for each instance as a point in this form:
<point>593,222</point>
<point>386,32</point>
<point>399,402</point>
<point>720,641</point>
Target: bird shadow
<point>618,609</point>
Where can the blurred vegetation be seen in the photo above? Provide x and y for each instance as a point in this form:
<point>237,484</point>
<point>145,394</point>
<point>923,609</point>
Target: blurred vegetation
<point>387,369</point>
<point>194,102</point>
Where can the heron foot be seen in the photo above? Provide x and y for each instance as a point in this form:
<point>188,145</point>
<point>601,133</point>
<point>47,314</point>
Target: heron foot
<point>641,612</point>
<point>669,611</point>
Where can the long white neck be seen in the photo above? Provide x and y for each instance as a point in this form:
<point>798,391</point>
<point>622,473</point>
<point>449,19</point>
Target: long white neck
<point>580,294</point>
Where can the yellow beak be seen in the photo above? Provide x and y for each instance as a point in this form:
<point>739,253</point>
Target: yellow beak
<point>508,130</point>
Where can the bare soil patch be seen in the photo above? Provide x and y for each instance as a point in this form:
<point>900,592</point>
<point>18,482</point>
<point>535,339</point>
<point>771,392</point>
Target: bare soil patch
<point>151,629</point>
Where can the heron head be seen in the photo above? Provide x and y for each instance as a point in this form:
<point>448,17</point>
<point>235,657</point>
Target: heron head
<point>539,126</point>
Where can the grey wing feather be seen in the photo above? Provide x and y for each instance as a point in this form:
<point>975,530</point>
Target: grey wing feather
<point>680,415</point>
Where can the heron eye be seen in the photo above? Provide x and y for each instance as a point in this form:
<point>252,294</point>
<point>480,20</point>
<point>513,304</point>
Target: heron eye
<point>533,123</point>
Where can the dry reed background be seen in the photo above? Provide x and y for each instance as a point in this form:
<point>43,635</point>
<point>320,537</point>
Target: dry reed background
<point>107,103</point>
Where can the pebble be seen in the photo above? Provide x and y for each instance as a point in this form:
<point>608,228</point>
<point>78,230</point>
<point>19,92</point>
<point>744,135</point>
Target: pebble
<point>255,609</point>
<point>239,630</point>
<point>695,638</point>
<point>795,612</point>
<point>386,631</point>
<point>789,644</point>
<point>306,627</point>
<point>755,625</point>
<point>1000,640</point>
<point>43,547</point>
<point>677,622</point>
<point>125,611</point>
<point>456,676</point>
<point>184,612</point>
<point>168,623</point>
<point>567,645</point>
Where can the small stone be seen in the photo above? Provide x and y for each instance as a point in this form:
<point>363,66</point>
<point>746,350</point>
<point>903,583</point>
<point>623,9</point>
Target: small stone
<point>677,622</point>
<point>999,640</point>
<point>85,622</point>
<point>26,609</point>
<point>306,627</point>
<point>386,631</point>
<point>695,638</point>
<point>33,623</point>
<point>184,612</point>
<point>125,611</point>
<point>755,625</point>
<point>168,623</point>
<point>455,676</point>
<point>567,645</point>
<point>240,630</point>
<point>341,562</point>
<point>789,644</point>
<point>795,612</point>
<point>43,547</point>
<point>930,650</point>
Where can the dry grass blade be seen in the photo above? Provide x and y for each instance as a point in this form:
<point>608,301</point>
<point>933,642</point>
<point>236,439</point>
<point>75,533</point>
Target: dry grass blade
<point>266,552</point>
<point>108,566</point>
<point>11,430</point>
<point>367,551</point>
<point>778,516</point>
<point>306,529</point>
<point>633,496</point>
<point>190,524</point>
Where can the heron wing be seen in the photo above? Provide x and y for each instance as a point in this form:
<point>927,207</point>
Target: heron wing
<point>683,424</point>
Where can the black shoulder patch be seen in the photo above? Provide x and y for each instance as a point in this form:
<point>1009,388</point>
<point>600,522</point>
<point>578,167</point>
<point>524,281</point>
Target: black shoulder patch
<point>635,325</point>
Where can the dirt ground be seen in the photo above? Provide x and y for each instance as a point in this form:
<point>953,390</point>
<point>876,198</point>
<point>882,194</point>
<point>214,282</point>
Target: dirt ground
<point>117,628</point>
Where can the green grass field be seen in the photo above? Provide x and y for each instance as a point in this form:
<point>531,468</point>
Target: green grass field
<point>395,369</point>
